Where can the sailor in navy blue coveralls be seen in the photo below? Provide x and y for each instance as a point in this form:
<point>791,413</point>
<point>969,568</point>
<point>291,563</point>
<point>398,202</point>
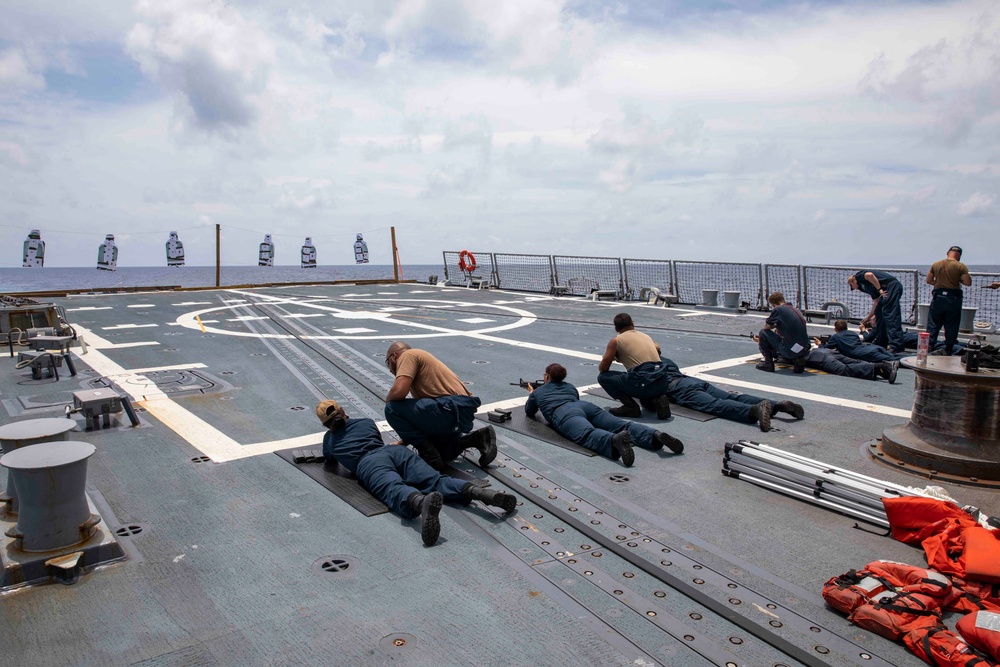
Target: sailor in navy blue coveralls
<point>886,309</point>
<point>784,335</point>
<point>397,475</point>
<point>587,424</point>
<point>849,344</point>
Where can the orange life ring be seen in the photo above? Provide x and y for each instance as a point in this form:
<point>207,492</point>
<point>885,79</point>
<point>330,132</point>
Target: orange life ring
<point>466,261</point>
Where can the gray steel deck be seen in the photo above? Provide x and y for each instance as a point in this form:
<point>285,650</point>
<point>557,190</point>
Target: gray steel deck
<point>226,568</point>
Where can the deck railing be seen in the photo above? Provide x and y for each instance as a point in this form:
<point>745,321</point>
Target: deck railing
<point>808,287</point>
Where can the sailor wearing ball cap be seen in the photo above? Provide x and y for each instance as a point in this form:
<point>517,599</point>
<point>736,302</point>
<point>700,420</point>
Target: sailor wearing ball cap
<point>947,276</point>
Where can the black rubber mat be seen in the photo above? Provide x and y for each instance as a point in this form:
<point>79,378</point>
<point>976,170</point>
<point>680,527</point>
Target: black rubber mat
<point>675,410</point>
<point>537,428</point>
<point>337,479</point>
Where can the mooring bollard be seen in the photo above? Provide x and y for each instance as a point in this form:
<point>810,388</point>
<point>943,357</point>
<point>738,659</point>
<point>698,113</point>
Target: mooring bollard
<point>29,432</point>
<point>968,321</point>
<point>731,299</point>
<point>710,297</point>
<point>51,479</point>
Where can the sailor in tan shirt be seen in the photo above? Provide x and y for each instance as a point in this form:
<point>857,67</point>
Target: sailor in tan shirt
<point>947,276</point>
<point>440,411</point>
<point>640,355</point>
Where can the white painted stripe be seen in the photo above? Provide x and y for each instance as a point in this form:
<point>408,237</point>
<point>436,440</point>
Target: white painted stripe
<point>142,305</point>
<point>355,330</point>
<point>394,309</point>
<point>247,318</point>
<point>175,367</point>
<point>129,326</point>
<point>476,320</point>
<point>389,293</point>
<point>706,312</point>
<point>119,346</point>
<point>192,303</point>
<point>301,315</point>
<point>73,310</point>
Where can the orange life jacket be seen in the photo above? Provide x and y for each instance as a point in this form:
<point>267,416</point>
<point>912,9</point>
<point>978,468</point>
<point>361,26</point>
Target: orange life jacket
<point>968,595</point>
<point>853,589</point>
<point>892,615</point>
<point>981,554</point>
<point>982,630</point>
<point>909,515</point>
<point>915,579</point>
<point>944,548</point>
<point>941,647</point>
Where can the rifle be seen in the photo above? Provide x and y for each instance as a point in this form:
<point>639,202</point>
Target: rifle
<point>523,384</point>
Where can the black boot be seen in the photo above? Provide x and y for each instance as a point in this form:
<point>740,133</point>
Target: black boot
<point>767,365</point>
<point>669,441</point>
<point>761,413</point>
<point>504,501</point>
<point>621,443</point>
<point>799,365</point>
<point>429,453</point>
<point>429,507</point>
<point>485,440</point>
<point>794,409</point>
<point>662,405</point>
<point>629,408</point>
<point>887,370</point>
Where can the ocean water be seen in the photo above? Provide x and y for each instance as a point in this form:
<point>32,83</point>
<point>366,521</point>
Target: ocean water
<point>17,280</point>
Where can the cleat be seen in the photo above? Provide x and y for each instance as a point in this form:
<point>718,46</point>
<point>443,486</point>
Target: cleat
<point>621,443</point>
<point>766,366</point>
<point>430,524</point>
<point>662,405</point>
<point>794,409</point>
<point>799,365</point>
<point>762,415</point>
<point>669,441</point>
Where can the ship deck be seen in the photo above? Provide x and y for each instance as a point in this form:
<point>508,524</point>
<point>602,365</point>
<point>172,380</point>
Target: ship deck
<point>668,562</point>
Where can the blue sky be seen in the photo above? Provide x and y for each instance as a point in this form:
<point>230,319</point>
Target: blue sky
<point>800,132</point>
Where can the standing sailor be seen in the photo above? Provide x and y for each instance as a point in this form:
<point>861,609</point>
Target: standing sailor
<point>947,276</point>
<point>266,254</point>
<point>34,250</point>
<point>360,251</point>
<point>308,254</point>
<point>885,292</point>
<point>107,254</point>
<point>175,251</point>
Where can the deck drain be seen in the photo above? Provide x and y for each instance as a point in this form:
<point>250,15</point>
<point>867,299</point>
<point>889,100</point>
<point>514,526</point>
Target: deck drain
<point>130,530</point>
<point>200,459</point>
<point>618,478</point>
<point>398,643</point>
<point>336,565</point>
<point>297,408</point>
<point>170,349</point>
<point>228,373</point>
<point>587,363</point>
<point>258,354</point>
<point>480,361</point>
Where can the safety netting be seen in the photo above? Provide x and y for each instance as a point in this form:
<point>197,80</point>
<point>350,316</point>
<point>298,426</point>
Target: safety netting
<point>826,286</point>
<point>583,275</point>
<point>481,261</point>
<point>694,277</point>
<point>531,273</point>
<point>783,278</point>
<point>643,273</point>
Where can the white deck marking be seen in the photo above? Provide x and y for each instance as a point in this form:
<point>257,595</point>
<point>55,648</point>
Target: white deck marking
<point>73,310</point>
<point>394,309</point>
<point>246,318</point>
<point>192,303</point>
<point>422,291</point>
<point>388,293</point>
<point>300,315</point>
<point>442,305</point>
<point>175,367</point>
<point>476,320</point>
<point>129,326</point>
<point>142,305</point>
<point>706,312</point>
<point>355,330</point>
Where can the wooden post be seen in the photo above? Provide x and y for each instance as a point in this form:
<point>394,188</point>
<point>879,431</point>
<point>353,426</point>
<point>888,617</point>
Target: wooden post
<point>395,256</point>
<point>218,253</point>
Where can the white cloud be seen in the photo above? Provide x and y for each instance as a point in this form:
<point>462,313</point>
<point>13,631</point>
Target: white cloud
<point>215,61</point>
<point>17,73</point>
<point>977,204</point>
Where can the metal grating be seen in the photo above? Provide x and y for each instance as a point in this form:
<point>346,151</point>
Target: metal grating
<point>484,268</point>
<point>784,278</point>
<point>640,273</point>
<point>582,275</point>
<point>693,277</point>
<point>531,273</point>
<point>822,284</point>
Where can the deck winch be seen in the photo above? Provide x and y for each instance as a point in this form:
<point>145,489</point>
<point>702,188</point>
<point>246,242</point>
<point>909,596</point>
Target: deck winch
<point>97,406</point>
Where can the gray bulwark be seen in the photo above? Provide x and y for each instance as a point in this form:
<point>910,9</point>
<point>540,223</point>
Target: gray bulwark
<point>29,432</point>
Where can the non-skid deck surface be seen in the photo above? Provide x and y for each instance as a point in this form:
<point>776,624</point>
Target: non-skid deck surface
<point>675,410</point>
<point>338,479</point>
<point>537,428</point>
